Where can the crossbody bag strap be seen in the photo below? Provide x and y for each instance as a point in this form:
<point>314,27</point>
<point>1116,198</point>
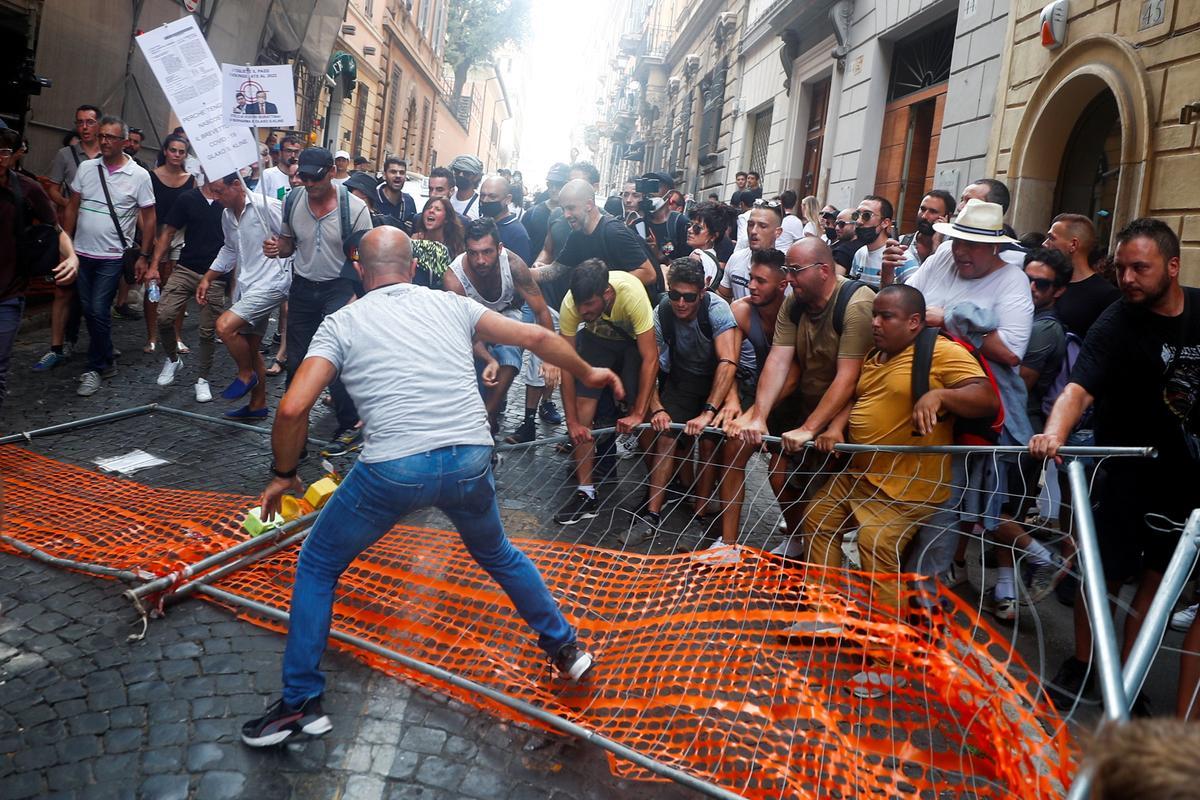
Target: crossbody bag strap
<point>112,212</point>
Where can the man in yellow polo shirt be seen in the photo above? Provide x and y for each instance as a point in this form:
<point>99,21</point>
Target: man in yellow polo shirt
<point>887,495</point>
<point>618,333</point>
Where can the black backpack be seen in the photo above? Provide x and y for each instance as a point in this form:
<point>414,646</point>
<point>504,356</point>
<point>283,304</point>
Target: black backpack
<point>37,243</point>
<point>845,292</point>
<point>666,323</point>
<point>979,431</point>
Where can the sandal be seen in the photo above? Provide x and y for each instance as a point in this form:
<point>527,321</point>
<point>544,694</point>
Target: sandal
<point>150,346</point>
<point>182,349</point>
<point>276,368</point>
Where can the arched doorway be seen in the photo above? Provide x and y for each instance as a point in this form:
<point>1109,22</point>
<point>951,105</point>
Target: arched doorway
<point>1091,165</point>
<point>1091,105</point>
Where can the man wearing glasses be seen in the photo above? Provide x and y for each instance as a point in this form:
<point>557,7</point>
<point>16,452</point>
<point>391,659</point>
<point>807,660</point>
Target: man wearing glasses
<point>312,231</point>
<point>842,242</point>
<point>872,221</point>
<point>65,315</point>
<point>277,180</point>
<point>823,332</point>
<point>105,192</point>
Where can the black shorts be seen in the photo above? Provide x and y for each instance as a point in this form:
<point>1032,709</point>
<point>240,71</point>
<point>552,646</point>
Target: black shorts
<point>621,356</point>
<point>683,394</point>
<point>783,418</point>
<point>1132,510</point>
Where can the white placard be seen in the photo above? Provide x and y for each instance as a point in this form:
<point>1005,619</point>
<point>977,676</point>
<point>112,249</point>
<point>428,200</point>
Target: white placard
<point>185,68</point>
<point>260,96</point>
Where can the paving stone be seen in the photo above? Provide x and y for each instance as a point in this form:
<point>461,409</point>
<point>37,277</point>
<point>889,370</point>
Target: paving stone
<point>38,757</point>
<point>168,711</point>
<point>439,773</point>
<point>483,783</point>
<point>220,785</point>
<point>128,717</point>
<point>210,730</point>
<point>423,740</point>
<point>47,622</point>
<point>202,756</point>
<point>403,765</point>
<point>165,787</point>
<point>46,733</point>
<point>107,699</point>
<point>363,787</point>
<point>79,747</point>
<point>123,740</point>
<point>460,748</point>
<point>179,668</point>
<point>183,650</point>
<point>64,690</point>
<point>69,776</point>
<point>380,731</point>
<point>161,759</point>
<point>116,766</point>
<point>69,709</point>
<point>164,733</point>
<point>21,785</point>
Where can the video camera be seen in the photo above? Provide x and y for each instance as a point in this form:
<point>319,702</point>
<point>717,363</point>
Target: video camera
<point>647,187</point>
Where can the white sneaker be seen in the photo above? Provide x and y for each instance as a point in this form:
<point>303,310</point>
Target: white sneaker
<point>791,547</point>
<point>169,371</point>
<point>627,446</point>
<point>89,383</point>
<point>1182,620</point>
<point>203,392</point>
<point>718,554</point>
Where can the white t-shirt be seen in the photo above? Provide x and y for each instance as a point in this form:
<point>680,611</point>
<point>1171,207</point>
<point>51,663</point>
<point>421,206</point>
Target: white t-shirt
<point>403,353</point>
<point>461,206</point>
<point>737,272</point>
<point>243,249</point>
<point>793,231</point>
<point>276,183</point>
<point>1005,292</point>
<point>867,266</point>
<point>130,189</point>
<point>743,239</point>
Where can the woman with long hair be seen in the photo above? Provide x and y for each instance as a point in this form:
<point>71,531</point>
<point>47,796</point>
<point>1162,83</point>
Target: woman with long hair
<point>706,229</point>
<point>170,179</point>
<point>439,222</point>
<point>810,212</point>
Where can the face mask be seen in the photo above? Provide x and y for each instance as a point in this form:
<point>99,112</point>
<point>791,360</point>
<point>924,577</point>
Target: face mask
<point>830,232</point>
<point>463,182</point>
<point>491,208</point>
<point>924,227</point>
<point>866,235</point>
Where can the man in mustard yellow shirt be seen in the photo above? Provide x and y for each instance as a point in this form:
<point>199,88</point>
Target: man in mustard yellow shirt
<point>887,495</point>
<point>617,332</point>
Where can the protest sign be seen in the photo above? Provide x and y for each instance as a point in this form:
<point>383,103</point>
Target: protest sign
<point>185,68</point>
<point>260,96</point>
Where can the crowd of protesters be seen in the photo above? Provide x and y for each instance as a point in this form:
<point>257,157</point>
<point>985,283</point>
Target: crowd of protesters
<point>780,324</point>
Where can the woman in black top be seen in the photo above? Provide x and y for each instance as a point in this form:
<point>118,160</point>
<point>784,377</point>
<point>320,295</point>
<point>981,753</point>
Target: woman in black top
<point>170,179</point>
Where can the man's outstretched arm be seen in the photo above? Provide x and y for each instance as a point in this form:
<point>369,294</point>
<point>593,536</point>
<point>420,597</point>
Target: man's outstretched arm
<point>291,427</point>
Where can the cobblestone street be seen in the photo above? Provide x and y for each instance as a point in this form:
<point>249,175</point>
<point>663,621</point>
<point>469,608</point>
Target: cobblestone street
<point>86,714</point>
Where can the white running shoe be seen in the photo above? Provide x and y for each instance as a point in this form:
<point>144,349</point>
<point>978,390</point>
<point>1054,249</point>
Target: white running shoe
<point>718,554</point>
<point>203,391</point>
<point>1182,620</point>
<point>169,371</point>
<point>627,446</point>
<point>791,547</point>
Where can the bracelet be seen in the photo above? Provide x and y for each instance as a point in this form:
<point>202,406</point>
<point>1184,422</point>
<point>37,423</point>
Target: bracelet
<point>660,411</point>
<point>146,255</point>
<point>709,407</point>
<point>726,361</point>
<point>284,473</point>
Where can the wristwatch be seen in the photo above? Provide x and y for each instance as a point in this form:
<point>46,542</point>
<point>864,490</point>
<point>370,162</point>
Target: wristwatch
<point>280,473</point>
<point>709,407</point>
<point>146,256</point>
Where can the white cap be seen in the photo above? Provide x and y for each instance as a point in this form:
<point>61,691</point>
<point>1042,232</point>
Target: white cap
<point>341,154</point>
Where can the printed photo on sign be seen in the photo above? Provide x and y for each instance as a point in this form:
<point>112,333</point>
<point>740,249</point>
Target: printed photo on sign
<point>260,97</point>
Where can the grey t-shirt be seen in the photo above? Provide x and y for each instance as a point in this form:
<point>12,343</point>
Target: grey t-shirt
<point>403,353</point>
<point>693,352</point>
<point>64,166</point>
<point>319,252</point>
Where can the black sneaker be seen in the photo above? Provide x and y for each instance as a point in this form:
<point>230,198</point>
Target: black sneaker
<point>525,432</point>
<point>550,413</point>
<point>1067,591</point>
<point>577,509</point>
<point>1072,680</point>
<point>281,721</point>
<point>572,662</point>
<point>344,443</point>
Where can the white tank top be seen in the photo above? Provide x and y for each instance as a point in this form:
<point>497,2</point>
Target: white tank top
<point>504,303</point>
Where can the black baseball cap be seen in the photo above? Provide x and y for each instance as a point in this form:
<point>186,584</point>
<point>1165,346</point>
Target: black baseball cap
<point>664,180</point>
<point>314,163</point>
<point>360,160</point>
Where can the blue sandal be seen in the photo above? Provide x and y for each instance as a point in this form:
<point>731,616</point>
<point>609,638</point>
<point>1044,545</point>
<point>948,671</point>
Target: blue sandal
<point>238,389</point>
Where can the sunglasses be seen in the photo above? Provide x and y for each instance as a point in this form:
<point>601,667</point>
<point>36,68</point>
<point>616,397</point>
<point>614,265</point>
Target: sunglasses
<point>761,203</point>
<point>1042,284</point>
<point>687,297</point>
<point>696,228</point>
<point>110,137</point>
<point>796,269</point>
<point>842,223</point>
<point>865,216</point>
<point>311,177</point>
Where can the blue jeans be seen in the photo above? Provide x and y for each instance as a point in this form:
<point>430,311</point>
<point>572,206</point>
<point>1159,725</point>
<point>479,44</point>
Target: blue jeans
<point>97,285</point>
<point>373,497</point>
<point>10,323</point>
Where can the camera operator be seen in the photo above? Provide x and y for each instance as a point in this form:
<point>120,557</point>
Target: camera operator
<point>663,229</point>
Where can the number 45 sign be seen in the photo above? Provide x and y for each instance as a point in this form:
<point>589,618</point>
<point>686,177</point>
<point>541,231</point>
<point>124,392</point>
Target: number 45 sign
<point>1153,13</point>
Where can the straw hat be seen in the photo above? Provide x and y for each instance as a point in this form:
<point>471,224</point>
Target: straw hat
<point>979,221</point>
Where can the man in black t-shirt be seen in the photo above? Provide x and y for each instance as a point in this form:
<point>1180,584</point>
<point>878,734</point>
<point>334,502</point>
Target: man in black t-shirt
<point>1139,370</point>
<point>1088,293</point>
<point>198,214</point>
<point>664,230</point>
<point>537,219</point>
<point>593,235</point>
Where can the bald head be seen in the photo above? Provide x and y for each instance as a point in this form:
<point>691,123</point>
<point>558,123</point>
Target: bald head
<point>579,191</point>
<point>810,250</point>
<point>385,256</point>
<point>495,186</point>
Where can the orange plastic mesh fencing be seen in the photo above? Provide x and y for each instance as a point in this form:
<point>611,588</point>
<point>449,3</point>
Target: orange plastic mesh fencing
<point>690,667</point>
